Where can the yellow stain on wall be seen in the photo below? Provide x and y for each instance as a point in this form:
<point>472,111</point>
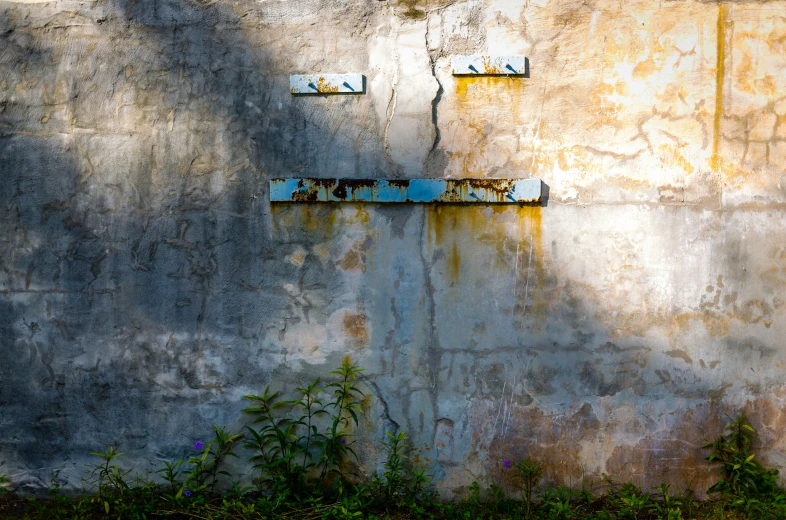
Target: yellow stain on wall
<point>533,264</point>
<point>672,157</point>
<point>486,104</point>
<point>317,221</point>
<point>445,225</point>
<point>477,244</point>
<point>723,13</point>
<point>454,261</point>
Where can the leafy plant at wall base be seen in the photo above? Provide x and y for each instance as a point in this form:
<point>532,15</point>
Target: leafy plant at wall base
<point>557,503</point>
<point>310,403</point>
<point>495,499</point>
<point>474,493</point>
<point>295,450</point>
<point>345,406</point>
<point>200,464</point>
<point>530,472</point>
<point>632,501</point>
<point>110,478</point>
<point>279,445</point>
<point>274,443</point>
<point>400,483</point>
<point>741,476</point>
<point>171,473</point>
<point>220,447</point>
<point>3,481</point>
<point>393,479</point>
<point>418,482</point>
<point>666,506</point>
<point>687,501</point>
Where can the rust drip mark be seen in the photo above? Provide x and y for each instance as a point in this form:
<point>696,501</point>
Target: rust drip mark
<point>723,13</point>
<point>489,67</point>
<point>341,192</point>
<point>454,262</point>
<point>449,228</point>
<point>534,263</point>
<point>497,190</point>
<point>441,220</point>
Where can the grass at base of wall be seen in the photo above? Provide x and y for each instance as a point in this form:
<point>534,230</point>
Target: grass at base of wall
<point>301,451</point>
<point>147,505</point>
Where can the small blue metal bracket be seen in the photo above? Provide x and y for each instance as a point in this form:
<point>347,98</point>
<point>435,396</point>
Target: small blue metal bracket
<point>483,191</point>
<point>326,84</point>
<point>479,65</point>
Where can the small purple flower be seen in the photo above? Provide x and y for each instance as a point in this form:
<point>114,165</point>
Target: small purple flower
<point>506,462</point>
<point>188,493</point>
<point>198,445</point>
<point>343,441</point>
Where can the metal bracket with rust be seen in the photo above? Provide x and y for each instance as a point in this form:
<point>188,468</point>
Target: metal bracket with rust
<point>478,191</point>
<point>479,65</point>
<point>327,84</point>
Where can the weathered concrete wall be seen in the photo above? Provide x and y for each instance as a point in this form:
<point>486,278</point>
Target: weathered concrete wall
<point>146,283</point>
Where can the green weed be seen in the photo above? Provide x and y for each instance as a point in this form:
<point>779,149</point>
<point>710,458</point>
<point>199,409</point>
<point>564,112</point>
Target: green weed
<point>301,448</point>
<point>530,473</point>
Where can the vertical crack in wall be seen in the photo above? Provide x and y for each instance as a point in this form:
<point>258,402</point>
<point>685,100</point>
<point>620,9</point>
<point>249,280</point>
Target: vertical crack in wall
<point>391,425</point>
<point>394,84</point>
<point>433,351</point>
<point>391,111</point>
<point>434,102</point>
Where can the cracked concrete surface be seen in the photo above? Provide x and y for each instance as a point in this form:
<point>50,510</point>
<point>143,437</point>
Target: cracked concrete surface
<point>146,283</point>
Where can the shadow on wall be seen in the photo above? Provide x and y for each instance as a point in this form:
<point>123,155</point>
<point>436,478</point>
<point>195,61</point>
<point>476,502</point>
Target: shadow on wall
<point>136,266</point>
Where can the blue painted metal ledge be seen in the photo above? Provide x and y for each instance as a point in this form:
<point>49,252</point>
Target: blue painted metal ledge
<point>478,191</point>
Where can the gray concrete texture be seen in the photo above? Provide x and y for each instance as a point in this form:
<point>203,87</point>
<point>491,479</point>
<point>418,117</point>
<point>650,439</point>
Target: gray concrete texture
<point>147,284</point>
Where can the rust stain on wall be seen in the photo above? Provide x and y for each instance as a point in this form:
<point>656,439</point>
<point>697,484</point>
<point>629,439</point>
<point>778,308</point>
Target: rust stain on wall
<point>483,237</point>
<point>530,221</point>
<point>723,13</point>
<point>487,104</point>
<point>441,220</point>
<point>322,220</point>
<point>362,215</point>
<point>445,225</point>
<point>671,156</point>
<point>577,444</point>
<point>681,354</point>
<point>352,260</point>
<point>355,327</point>
<point>454,262</point>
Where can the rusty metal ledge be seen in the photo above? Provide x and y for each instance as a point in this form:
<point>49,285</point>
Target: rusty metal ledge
<point>327,84</point>
<point>483,191</point>
<point>478,65</point>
